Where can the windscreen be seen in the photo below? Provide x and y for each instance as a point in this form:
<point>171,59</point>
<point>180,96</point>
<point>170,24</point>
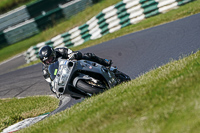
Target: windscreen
<point>53,69</point>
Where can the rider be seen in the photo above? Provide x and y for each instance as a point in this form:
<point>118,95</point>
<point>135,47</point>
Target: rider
<point>48,55</point>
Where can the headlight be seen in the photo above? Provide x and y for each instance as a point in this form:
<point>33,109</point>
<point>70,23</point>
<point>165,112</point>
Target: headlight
<point>61,81</point>
<point>64,72</point>
<point>63,77</point>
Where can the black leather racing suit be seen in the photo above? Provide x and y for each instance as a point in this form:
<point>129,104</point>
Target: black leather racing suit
<point>64,52</point>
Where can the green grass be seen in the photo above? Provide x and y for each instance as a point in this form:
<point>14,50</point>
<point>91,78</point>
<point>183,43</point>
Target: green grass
<point>14,110</point>
<point>7,5</point>
<point>164,100</point>
<point>82,17</point>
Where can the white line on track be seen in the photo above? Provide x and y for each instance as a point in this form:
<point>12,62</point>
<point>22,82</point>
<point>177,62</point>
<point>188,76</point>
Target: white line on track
<point>11,59</point>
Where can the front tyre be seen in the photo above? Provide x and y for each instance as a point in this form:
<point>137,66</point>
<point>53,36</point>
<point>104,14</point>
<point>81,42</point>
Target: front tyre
<point>88,88</point>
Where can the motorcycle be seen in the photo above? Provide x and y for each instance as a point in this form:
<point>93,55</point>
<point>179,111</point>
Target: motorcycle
<point>83,78</point>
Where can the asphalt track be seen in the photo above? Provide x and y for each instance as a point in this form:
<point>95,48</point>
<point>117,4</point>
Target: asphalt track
<point>134,54</point>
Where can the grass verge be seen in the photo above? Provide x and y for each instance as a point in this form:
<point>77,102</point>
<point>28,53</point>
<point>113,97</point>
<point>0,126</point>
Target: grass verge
<point>82,17</point>
<point>163,100</point>
<point>15,110</point>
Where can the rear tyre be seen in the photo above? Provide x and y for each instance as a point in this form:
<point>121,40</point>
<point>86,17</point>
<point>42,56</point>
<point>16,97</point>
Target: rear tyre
<point>88,88</point>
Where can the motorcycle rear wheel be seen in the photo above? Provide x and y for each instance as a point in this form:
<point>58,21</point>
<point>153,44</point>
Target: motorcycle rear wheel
<point>88,88</point>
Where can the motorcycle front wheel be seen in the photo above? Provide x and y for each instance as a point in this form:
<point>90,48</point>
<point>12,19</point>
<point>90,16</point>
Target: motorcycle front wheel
<point>89,88</point>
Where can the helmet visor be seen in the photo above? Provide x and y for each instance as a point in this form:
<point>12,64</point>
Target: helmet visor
<point>49,60</point>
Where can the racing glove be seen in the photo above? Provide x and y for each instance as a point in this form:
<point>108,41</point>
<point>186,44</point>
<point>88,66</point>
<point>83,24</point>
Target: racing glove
<point>75,55</point>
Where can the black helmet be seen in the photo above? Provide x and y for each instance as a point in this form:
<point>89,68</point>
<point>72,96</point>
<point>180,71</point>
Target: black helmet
<point>47,55</point>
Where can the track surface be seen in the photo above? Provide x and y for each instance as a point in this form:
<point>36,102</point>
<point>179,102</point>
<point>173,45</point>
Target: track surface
<point>134,54</point>
<point>12,64</point>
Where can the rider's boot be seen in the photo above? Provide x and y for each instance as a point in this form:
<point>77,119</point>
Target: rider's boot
<point>90,56</point>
